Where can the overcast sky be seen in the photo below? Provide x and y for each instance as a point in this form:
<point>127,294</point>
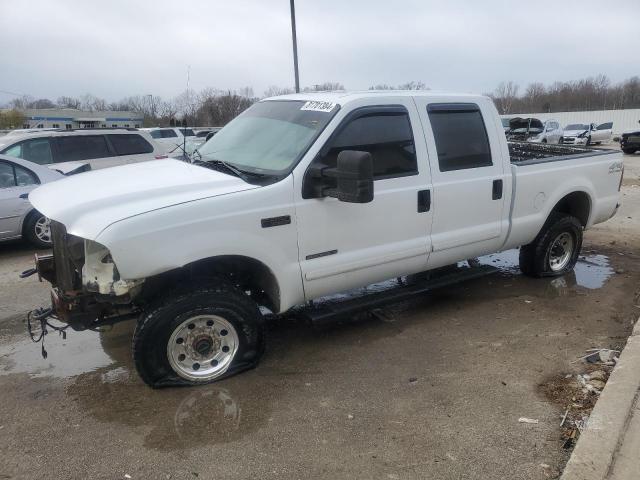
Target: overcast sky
<point>118,48</point>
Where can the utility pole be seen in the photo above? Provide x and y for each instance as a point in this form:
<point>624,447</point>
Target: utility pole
<point>295,44</point>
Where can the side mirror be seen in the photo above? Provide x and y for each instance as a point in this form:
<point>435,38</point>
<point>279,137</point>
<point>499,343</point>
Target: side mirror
<point>350,181</point>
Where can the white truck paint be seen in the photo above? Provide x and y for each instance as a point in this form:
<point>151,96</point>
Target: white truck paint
<point>151,219</point>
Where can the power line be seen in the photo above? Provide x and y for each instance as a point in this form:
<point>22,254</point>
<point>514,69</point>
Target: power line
<point>14,93</point>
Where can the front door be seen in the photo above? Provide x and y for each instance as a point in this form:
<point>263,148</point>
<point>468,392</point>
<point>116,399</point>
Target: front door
<point>469,183</point>
<point>602,133</point>
<point>345,245</point>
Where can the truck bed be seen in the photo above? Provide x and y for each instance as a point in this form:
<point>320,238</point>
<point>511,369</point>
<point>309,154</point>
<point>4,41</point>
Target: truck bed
<point>526,153</point>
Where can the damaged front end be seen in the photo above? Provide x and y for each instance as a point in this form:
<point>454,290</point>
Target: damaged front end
<point>87,290</point>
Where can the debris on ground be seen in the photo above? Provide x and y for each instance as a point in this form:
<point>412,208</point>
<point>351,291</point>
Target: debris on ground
<point>528,420</point>
<point>577,393</point>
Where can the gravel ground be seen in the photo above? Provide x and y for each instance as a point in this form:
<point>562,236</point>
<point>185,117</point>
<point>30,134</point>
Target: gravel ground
<point>431,388</point>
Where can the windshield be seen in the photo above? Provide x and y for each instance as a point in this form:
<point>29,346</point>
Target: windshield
<point>577,126</point>
<point>269,137</point>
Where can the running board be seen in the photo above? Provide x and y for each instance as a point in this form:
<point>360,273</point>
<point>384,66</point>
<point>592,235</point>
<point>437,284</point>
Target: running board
<point>330,311</point>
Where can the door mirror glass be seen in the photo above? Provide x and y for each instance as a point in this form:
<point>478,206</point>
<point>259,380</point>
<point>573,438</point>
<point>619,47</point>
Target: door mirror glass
<point>350,181</point>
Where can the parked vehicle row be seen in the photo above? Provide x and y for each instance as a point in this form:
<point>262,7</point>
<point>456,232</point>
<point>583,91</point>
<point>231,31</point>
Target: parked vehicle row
<point>300,197</point>
<point>101,148</point>
<point>550,131</point>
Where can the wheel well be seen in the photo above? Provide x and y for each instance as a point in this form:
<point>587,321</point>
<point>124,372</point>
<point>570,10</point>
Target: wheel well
<point>577,204</point>
<point>246,273</point>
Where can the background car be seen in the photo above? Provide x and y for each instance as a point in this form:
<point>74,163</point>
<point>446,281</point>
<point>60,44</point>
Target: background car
<point>630,141</point>
<point>551,133</point>
<point>170,137</point>
<point>533,130</point>
<point>588,134</point>
<point>101,148</point>
<point>18,218</point>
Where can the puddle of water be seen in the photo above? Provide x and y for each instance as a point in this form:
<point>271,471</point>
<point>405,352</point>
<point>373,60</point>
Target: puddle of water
<point>79,353</point>
<point>592,271</point>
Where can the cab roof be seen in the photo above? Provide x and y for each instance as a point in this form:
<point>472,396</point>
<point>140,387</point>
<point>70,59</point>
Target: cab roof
<point>343,97</point>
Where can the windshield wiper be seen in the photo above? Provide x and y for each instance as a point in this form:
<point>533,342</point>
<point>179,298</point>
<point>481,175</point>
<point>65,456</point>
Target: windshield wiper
<point>217,162</point>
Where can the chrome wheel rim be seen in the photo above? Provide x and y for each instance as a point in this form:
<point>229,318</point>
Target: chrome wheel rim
<point>561,252</point>
<point>202,347</point>
<point>43,229</point>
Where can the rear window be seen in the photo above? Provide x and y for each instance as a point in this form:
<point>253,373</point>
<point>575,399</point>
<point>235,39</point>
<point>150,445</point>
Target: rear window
<point>167,134</point>
<point>125,144</point>
<point>82,147</point>
<point>460,135</point>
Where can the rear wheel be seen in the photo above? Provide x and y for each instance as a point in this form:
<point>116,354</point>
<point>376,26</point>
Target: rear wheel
<point>198,335</point>
<point>555,250</point>
<point>37,230</point>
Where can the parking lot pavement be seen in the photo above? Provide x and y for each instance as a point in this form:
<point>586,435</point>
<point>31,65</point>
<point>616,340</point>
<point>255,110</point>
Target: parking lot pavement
<point>431,388</point>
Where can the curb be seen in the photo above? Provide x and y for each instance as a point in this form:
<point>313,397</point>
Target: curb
<point>600,452</point>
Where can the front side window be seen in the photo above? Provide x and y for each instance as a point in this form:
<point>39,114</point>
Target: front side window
<point>460,136</point>
<point>270,137</point>
<point>386,135</point>
<point>606,126</point>
<point>129,144</point>
<point>82,147</point>
<point>24,177</point>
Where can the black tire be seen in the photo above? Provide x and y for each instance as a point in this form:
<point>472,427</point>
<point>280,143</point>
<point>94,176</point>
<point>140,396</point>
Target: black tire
<point>166,315</point>
<point>629,151</point>
<point>535,257</point>
<point>560,141</point>
<point>544,140</point>
<point>29,230</point>
<point>588,140</point>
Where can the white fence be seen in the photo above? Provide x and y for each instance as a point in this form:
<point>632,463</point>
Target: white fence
<point>622,119</point>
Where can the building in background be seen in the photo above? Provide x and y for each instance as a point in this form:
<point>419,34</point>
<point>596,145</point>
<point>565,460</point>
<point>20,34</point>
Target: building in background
<point>68,118</point>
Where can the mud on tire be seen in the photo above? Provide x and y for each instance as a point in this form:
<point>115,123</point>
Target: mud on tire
<point>165,316</point>
<point>535,258</point>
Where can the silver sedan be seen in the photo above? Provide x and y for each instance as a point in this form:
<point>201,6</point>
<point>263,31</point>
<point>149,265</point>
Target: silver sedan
<point>18,219</point>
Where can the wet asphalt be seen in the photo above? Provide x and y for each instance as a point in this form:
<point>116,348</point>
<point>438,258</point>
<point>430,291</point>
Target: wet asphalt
<point>430,388</point>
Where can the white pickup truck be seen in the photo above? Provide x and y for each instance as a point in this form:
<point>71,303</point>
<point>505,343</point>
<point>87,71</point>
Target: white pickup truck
<point>300,197</point>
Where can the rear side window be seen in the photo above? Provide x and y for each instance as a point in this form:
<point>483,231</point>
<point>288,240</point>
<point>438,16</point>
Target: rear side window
<point>187,132</point>
<point>155,134</point>
<point>82,147</point>
<point>460,135</point>
<point>129,144</point>
<point>606,126</point>
<point>167,134</point>
<point>387,136</point>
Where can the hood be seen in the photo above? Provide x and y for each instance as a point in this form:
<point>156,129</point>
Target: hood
<point>519,123</point>
<point>573,133</point>
<point>86,204</point>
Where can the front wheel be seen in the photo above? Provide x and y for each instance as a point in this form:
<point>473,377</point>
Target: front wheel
<point>555,250</point>
<point>629,151</point>
<point>198,335</point>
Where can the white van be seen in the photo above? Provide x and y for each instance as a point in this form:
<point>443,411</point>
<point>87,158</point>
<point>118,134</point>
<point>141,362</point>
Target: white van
<point>101,148</point>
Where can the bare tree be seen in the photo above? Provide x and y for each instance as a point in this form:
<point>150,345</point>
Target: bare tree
<point>69,102</point>
<point>274,91</point>
<point>504,96</point>
<point>324,87</point>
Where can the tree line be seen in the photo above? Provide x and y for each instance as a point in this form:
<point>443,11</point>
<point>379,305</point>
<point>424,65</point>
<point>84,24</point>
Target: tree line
<point>592,93</point>
<point>215,107</point>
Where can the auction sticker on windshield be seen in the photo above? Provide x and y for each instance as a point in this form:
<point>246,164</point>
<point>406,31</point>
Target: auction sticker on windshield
<point>318,106</point>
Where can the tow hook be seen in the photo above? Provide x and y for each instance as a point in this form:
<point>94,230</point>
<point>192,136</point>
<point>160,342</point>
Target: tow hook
<point>43,315</point>
<point>28,273</point>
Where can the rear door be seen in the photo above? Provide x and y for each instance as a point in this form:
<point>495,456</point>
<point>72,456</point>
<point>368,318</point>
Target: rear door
<point>91,148</point>
<point>468,181</point>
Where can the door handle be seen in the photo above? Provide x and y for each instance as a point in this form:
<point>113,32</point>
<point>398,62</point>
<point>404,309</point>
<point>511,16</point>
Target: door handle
<point>424,201</point>
<point>24,195</point>
<point>496,194</point>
